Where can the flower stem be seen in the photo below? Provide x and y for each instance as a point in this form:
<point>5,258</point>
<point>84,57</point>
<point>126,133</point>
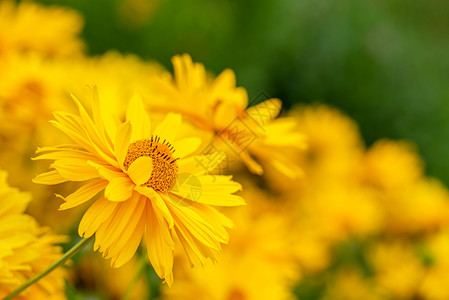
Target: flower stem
<point>69,254</point>
<point>135,279</point>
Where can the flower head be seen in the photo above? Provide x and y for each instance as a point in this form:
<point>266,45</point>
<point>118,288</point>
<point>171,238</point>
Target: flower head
<point>151,182</point>
<point>251,134</point>
<point>26,249</point>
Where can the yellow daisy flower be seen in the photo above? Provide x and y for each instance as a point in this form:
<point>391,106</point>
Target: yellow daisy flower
<point>25,248</point>
<point>252,135</point>
<point>397,268</point>
<point>151,184</point>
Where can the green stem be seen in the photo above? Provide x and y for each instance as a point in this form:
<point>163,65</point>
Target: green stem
<point>135,279</point>
<point>69,254</point>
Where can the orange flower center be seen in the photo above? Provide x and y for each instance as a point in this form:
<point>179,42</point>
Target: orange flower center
<point>165,168</point>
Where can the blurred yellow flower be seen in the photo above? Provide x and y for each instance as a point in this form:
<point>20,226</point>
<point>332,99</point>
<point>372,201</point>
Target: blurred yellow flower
<point>398,270</point>
<point>252,135</point>
<point>349,284</point>
<point>391,165</point>
<point>31,87</point>
<point>26,249</point>
<point>334,143</point>
<point>32,27</point>
<point>421,207</point>
<point>349,210</point>
<point>411,202</point>
<point>147,187</point>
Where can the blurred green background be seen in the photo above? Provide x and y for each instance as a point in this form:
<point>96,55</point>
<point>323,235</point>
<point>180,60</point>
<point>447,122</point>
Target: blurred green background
<point>383,62</point>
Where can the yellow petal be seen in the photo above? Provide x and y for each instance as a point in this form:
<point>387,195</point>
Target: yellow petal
<point>72,126</point>
<point>49,178</point>
<point>168,128</point>
<point>225,114</point>
<point>96,110</point>
<point>131,246</point>
<point>130,227</point>
<point>253,166</point>
<point>105,171</point>
<point>140,170</point>
<point>103,146</point>
<point>138,117</point>
<point>106,114</point>
<point>122,141</point>
<point>214,217</point>
<point>119,189</point>
<point>68,124</point>
<point>264,112</point>
<point>103,119</point>
<point>186,146</point>
<point>75,169</point>
<point>159,245</point>
<point>195,225</point>
<point>83,194</point>
<point>219,184</point>
<point>111,231</point>
<point>195,250</point>
<point>53,153</point>
<point>97,213</point>
<point>200,164</point>
<point>212,190</point>
<point>157,201</point>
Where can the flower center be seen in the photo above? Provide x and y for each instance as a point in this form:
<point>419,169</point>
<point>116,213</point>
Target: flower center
<point>165,168</point>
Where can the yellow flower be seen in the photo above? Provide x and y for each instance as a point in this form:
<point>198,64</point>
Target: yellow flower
<point>421,207</point>
<point>336,203</point>
<point>151,184</point>
<point>349,284</point>
<point>411,202</point>
<point>31,87</point>
<point>391,165</point>
<point>51,31</point>
<point>334,143</point>
<point>398,270</point>
<point>26,249</point>
<point>252,135</point>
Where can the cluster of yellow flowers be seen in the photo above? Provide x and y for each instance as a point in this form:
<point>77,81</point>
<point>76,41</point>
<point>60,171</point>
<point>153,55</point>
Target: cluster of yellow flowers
<point>143,154</point>
<point>372,223</point>
<point>25,248</point>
